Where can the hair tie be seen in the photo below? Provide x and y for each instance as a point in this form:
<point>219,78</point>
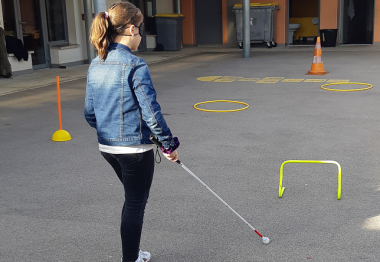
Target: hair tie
<point>106,15</point>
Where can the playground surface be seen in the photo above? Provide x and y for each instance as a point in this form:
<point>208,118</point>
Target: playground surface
<point>60,201</point>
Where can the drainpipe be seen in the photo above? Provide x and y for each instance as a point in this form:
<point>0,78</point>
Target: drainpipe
<point>178,6</point>
<point>246,28</point>
<point>100,6</point>
<point>87,6</point>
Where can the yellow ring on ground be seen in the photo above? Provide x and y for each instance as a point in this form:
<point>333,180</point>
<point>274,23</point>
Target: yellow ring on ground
<point>347,83</point>
<point>221,111</point>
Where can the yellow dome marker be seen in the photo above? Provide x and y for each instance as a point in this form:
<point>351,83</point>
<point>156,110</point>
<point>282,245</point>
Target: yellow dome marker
<point>60,135</point>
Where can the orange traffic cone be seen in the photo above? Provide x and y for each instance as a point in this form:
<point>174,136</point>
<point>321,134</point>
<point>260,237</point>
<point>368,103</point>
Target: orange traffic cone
<point>317,68</point>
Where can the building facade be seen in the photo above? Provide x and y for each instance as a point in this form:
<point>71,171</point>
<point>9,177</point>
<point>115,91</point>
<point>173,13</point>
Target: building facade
<point>53,31</point>
<point>356,21</point>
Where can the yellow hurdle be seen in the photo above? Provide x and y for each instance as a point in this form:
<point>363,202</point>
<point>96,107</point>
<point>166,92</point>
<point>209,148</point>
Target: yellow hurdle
<point>282,189</point>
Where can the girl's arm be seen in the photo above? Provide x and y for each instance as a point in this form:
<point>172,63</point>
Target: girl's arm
<point>89,112</point>
<point>151,110</point>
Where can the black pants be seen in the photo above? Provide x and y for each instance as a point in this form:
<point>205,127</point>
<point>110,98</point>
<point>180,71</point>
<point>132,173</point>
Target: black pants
<point>135,171</point>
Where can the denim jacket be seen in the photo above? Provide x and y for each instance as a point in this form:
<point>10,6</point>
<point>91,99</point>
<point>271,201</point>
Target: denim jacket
<point>121,101</point>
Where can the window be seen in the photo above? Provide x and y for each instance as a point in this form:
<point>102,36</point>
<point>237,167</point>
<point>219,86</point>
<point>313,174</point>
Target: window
<point>9,18</point>
<point>56,21</point>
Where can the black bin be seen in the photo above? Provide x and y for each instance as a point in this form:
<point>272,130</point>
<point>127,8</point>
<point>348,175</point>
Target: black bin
<point>328,37</point>
<point>169,31</point>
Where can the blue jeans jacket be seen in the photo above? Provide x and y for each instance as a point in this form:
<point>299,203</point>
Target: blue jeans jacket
<point>121,101</point>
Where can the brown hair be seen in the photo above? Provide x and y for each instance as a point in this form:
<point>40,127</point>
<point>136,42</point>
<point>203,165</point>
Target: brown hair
<point>104,29</point>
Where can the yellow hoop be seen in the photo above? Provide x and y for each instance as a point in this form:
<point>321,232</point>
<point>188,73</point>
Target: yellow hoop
<point>221,111</point>
<point>347,90</point>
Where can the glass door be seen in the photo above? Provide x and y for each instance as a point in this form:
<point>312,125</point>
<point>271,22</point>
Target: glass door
<point>9,18</point>
<point>23,20</point>
<point>32,31</point>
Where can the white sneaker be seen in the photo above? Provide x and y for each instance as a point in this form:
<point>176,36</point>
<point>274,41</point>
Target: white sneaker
<point>143,256</point>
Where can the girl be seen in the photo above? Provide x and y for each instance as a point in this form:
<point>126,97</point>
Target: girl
<point>121,105</point>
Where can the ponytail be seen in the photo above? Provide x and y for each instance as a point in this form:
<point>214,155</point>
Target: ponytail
<point>107,25</point>
<point>99,34</point>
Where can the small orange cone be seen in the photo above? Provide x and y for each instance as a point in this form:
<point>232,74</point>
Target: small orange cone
<point>317,68</point>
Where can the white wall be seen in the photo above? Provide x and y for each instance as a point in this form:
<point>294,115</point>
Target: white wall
<point>77,36</point>
<point>1,16</point>
<point>20,65</point>
<point>111,2</point>
<point>162,6</point>
<point>80,29</point>
<point>70,12</point>
<point>165,6</point>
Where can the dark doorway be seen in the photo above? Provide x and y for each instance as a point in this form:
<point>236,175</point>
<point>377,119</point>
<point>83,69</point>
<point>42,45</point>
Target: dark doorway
<point>141,5</point>
<point>208,22</point>
<point>149,13</point>
<point>357,21</point>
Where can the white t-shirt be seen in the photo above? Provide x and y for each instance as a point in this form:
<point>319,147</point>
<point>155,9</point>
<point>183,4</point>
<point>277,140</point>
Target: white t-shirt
<point>125,149</point>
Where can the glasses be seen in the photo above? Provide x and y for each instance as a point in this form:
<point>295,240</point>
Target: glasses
<point>140,27</point>
<point>114,5</point>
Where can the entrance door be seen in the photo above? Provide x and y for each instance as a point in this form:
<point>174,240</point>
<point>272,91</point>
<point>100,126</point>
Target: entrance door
<point>305,13</point>
<point>208,22</point>
<point>23,19</point>
<point>30,21</point>
<point>356,21</point>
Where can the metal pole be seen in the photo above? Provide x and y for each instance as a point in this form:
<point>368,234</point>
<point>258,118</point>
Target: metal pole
<point>100,6</point>
<point>87,6</point>
<point>178,6</point>
<point>246,29</point>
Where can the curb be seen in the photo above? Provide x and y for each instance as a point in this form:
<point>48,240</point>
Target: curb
<point>81,77</point>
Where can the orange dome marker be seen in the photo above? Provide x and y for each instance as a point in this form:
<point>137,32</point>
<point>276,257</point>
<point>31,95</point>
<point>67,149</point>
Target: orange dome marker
<point>317,68</point>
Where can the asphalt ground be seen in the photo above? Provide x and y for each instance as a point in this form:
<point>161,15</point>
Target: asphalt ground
<point>60,201</point>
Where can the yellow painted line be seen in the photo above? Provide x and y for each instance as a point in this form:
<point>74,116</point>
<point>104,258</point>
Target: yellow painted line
<point>338,81</point>
<point>249,79</point>
<point>267,80</point>
<point>292,80</point>
<point>208,78</point>
<point>227,79</point>
<point>315,80</point>
<point>270,80</point>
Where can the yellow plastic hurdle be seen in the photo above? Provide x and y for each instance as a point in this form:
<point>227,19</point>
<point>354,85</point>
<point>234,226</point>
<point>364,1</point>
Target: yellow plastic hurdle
<point>282,189</point>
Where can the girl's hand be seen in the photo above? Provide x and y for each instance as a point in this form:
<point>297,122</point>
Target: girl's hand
<point>173,156</point>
